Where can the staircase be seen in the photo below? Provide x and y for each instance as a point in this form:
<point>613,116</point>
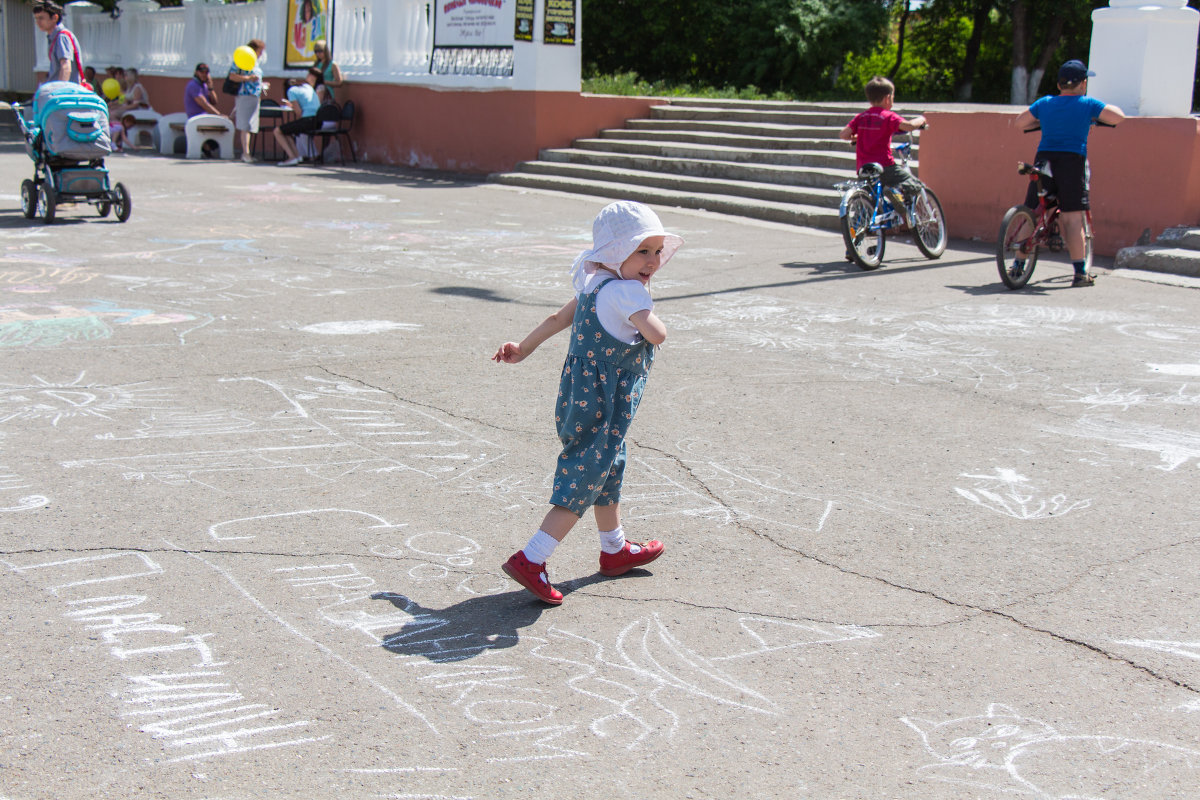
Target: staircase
<point>1176,251</point>
<point>775,161</point>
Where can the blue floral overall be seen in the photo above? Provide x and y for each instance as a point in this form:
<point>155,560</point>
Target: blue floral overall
<point>602,383</point>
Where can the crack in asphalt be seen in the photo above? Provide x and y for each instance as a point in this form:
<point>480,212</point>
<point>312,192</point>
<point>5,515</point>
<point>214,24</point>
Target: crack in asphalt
<point>967,607</point>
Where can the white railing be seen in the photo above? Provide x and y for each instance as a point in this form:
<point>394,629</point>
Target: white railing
<point>374,41</point>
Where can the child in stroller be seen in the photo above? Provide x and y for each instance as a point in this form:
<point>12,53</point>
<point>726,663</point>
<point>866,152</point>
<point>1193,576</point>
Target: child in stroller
<point>67,137</point>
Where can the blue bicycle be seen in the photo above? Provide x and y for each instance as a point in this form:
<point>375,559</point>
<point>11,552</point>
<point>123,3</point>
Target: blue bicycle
<point>869,213</point>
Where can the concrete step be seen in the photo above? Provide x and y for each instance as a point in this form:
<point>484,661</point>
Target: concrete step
<point>1180,236</point>
<point>802,195</point>
<point>790,175</point>
<point>783,117</point>
<point>1176,251</point>
<point>713,152</point>
<point>747,136</point>
<point>1152,258</point>
<point>790,213</point>
<point>766,160</point>
<point>848,108</point>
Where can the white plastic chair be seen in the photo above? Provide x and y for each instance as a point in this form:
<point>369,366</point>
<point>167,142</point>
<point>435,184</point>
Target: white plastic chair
<point>209,127</point>
<point>165,135</point>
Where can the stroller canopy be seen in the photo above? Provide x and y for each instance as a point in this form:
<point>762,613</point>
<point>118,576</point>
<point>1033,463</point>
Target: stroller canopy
<point>73,121</point>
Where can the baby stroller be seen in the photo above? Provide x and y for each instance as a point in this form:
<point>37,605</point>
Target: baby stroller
<point>67,138</point>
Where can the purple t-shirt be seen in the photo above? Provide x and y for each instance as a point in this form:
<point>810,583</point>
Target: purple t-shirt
<point>195,88</point>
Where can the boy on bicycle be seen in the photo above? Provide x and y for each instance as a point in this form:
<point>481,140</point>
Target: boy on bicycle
<point>872,131</point>
<point>1066,121</point>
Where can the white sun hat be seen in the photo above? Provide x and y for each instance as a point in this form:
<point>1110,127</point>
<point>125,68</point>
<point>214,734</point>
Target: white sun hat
<point>616,233</point>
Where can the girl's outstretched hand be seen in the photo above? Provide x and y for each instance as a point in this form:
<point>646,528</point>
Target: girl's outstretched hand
<point>509,353</point>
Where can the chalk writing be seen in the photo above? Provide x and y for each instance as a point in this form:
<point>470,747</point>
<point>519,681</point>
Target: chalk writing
<point>182,698</point>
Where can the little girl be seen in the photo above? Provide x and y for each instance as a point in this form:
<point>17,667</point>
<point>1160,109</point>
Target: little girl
<point>613,334</point>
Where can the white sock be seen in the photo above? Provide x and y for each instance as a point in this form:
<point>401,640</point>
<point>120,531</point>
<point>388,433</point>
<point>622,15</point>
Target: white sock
<point>612,541</point>
<point>541,547</point>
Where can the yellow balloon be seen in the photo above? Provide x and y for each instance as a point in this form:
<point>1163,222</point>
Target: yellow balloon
<point>111,88</point>
<point>245,58</point>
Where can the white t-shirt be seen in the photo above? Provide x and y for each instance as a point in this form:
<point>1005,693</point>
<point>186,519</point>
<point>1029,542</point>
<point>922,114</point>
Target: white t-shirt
<point>617,302</point>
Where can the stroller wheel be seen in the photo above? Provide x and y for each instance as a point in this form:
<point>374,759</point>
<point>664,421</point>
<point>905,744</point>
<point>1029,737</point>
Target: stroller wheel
<point>47,199</point>
<point>122,203</point>
<point>29,199</point>
<point>103,208</point>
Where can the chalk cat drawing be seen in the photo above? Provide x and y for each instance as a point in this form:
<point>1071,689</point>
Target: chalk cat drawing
<point>1020,756</point>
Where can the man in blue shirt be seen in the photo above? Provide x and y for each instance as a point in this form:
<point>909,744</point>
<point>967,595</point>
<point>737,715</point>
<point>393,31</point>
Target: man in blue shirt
<point>1066,121</point>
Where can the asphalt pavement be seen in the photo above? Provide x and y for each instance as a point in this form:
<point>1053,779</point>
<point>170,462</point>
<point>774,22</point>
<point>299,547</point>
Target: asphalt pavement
<point>926,537</point>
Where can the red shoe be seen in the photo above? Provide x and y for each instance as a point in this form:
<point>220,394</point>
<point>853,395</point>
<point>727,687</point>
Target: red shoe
<point>621,562</point>
<point>533,577</point>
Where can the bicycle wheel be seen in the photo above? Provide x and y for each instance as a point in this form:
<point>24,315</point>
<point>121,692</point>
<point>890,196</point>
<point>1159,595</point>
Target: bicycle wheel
<point>1016,238</point>
<point>928,224</point>
<point>864,246</point>
<point>1087,240</point>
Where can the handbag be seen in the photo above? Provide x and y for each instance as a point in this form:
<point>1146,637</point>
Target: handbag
<point>230,86</point>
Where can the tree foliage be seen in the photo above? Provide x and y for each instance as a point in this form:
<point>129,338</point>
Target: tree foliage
<point>794,45</point>
<point>991,51</point>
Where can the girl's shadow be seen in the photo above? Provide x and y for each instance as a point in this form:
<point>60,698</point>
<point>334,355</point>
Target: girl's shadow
<point>470,628</point>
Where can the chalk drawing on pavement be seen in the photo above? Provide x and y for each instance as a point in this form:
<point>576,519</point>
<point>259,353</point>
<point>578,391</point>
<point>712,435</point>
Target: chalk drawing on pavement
<point>1004,751</point>
<point>359,327</point>
<point>58,401</point>
<point>311,431</point>
<point>1010,493</point>
<point>12,484</point>
<point>1174,448</point>
<point>54,324</point>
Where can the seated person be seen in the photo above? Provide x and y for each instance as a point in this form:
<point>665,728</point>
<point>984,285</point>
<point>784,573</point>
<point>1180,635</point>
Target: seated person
<point>199,97</point>
<point>136,96</point>
<point>118,133</point>
<point>301,97</point>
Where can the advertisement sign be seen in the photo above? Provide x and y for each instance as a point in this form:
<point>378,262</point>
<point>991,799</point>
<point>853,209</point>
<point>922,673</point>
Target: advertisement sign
<point>474,23</point>
<point>560,22</point>
<point>523,30</point>
<point>307,21</point>
<point>473,37</point>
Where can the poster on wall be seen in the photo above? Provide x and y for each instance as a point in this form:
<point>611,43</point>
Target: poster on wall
<point>307,22</point>
<point>473,37</point>
<point>560,22</point>
<point>523,30</point>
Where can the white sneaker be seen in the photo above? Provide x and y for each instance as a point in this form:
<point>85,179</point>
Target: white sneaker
<point>249,159</point>
<point>291,162</point>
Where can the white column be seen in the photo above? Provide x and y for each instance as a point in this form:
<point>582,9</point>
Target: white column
<point>1144,56</point>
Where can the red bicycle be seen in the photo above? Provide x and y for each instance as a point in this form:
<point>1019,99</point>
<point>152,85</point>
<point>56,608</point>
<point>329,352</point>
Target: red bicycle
<point>1025,231</point>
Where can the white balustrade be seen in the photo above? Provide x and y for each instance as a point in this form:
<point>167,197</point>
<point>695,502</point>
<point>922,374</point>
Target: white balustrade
<point>375,41</point>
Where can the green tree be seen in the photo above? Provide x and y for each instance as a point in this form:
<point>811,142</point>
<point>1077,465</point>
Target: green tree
<point>796,45</point>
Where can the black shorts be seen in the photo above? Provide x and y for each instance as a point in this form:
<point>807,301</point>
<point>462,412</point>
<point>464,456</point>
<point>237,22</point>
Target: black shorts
<point>1070,181</point>
<point>302,125</point>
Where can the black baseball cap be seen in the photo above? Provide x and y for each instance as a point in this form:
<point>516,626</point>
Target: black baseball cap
<point>1074,71</point>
